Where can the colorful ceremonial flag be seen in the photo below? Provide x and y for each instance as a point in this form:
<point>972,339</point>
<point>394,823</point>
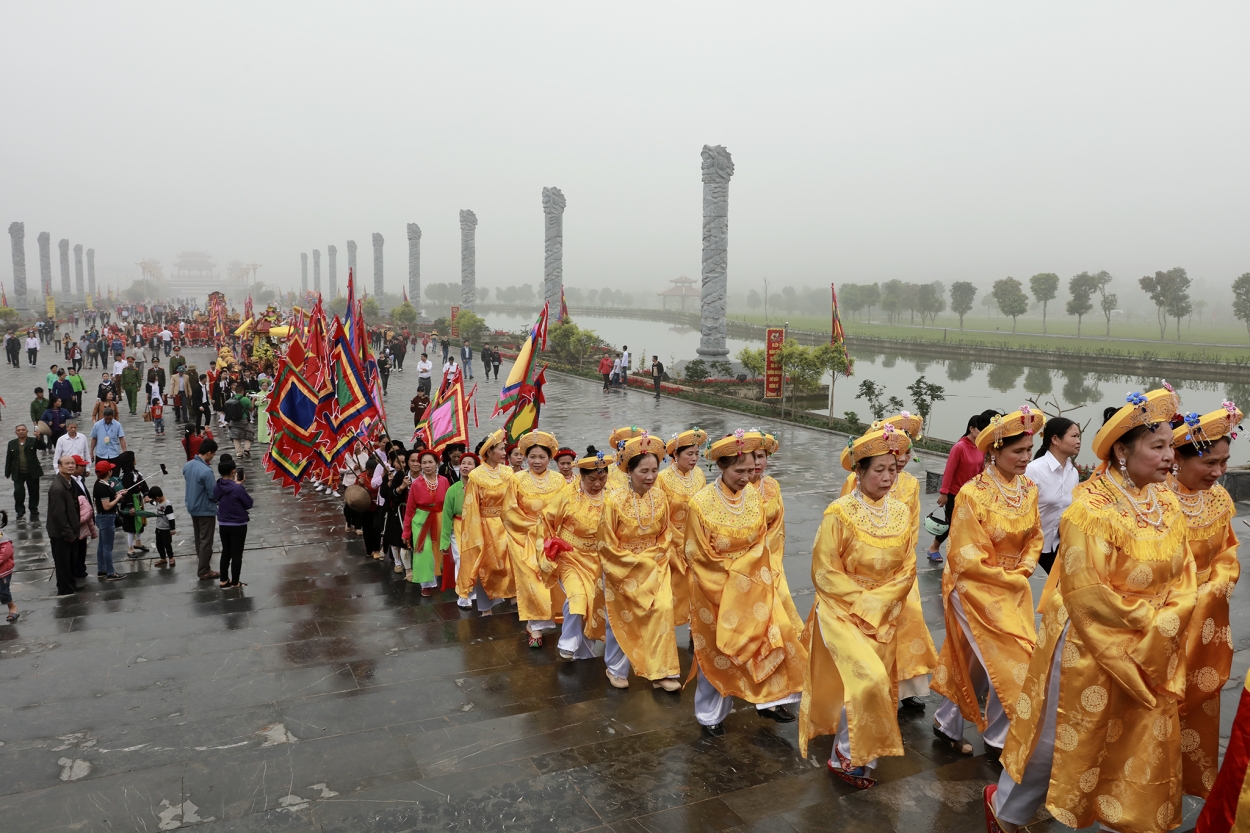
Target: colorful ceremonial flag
<point>405,294</point>
<point>524,417</point>
<point>316,355</point>
<point>773,342</point>
<point>349,318</point>
<point>446,421</point>
<point>293,406</point>
<point>522,373</point>
<point>247,308</point>
<point>353,400</point>
<point>4,298</point>
<point>285,467</point>
<point>839,335</point>
<point>564,307</point>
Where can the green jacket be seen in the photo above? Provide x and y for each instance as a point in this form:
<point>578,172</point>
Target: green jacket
<point>131,379</point>
<point>37,408</point>
<point>176,362</point>
<point>453,505</point>
<point>11,462</point>
<point>77,382</point>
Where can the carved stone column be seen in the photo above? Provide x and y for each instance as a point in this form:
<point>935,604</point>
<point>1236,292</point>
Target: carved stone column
<point>63,245</point>
<point>332,270</point>
<point>718,167</point>
<point>316,270</point>
<point>351,259</point>
<point>553,258</point>
<point>468,259</point>
<point>414,266</point>
<point>45,262</point>
<point>303,272</point>
<point>377,266</point>
<point>91,272</point>
<point>17,237</point>
<point>78,271</point>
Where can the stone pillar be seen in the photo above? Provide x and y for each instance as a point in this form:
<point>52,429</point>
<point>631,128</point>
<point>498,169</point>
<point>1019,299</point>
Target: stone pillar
<point>17,236</point>
<point>316,270</point>
<point>91,272</point>
<point>377,266</point>
<point>351,260</point>
<point>718,167</point>
<point>78,271</point>
<point>468,259</point>
<point>553,259</point>
<point>414,266</point>
<point>303,272</point>
<point>63,245</point>
<point>45,263</point>
<point>332,270</point>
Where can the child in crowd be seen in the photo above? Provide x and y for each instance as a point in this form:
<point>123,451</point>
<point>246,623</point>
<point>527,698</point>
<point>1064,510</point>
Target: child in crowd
<point>158,416</point>
<point>165,525</point>
<point>6,574</point>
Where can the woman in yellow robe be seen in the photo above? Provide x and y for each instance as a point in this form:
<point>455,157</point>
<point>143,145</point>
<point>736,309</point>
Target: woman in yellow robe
<point>1202,445</point>
<point>745,644</point>
<point>680,481</point>
<point>617,480</point>
<point>571,524</point>
<point>917,655</point>
<point>634,538</point>
<point>775,519</point>
<point>484,563</point>
<point>863,566</point>
<point>996,538</point>
<point>1096,734</point>
<point>529,493</point>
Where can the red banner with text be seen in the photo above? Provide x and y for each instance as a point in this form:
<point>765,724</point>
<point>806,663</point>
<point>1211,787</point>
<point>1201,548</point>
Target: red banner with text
<point>455,313</point>
<point>772,362</point>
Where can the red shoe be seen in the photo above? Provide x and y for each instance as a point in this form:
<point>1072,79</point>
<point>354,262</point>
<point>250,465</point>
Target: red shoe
<point>857,777</point>
<point>536,640</point>
<point>991,821</point>
<point>427,591</point>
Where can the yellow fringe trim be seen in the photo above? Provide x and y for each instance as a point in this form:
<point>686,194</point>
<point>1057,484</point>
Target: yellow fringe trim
<point>897,533</point>
<point>981,495</point>
<point>1122,532</point>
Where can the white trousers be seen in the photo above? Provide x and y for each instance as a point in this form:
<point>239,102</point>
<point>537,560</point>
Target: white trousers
<point>914,687</point>
<point>572,637</point>
<point>948,716</point>
<point>613,656</point>
<point>843,743</point>
<point>484,602</point>
<point>455,557</point>
<point>712,707</point>
<point>540,625</point>
<point>1016,803</point>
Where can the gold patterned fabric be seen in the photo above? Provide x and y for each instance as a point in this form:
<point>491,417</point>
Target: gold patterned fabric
<point>573,517</point>
<point>1126,592</point>
<point>1208,639</point>
<point>634,542</point>
<point>617,480</point>
<point>994,545</point>
<point>483,544</point>
<point>523,506</point>
<point>863,567</point>
<point>678,489</point>
<point>775,518</point>
<point>917,655</point>
<point>744,641</point>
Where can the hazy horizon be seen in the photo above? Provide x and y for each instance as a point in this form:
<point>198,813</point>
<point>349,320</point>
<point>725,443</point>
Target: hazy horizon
<point>964,142</point>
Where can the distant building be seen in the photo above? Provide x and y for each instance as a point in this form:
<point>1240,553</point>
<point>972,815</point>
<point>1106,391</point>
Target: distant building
<point>682,289</point>
<point>194,273</point>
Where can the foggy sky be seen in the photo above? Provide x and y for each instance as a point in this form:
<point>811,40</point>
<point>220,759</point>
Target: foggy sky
<point>913,140</point>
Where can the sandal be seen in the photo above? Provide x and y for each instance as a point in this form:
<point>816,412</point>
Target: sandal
<point>171,562</point>
<point>12,617</point>
<point>225,585</point>
<point>961,745</point>
<point>991,818</point>
<point>238,584</point>
<point>160,562</point>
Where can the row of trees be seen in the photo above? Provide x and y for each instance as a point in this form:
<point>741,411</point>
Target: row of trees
<point>894,298</point>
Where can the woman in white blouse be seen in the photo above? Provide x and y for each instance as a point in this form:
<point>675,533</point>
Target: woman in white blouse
<point>1054,472</point>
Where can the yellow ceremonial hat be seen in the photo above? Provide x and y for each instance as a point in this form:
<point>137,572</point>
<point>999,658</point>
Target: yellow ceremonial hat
<point>739,442</point>
<point>884,440</point>
<point>626,433</point>
<point>1206,429</point>
<point>1023,421</point>
<point>695,437</point>
<point>1142,409</point>
<point>597,461</point>
<point>644,444</point>
<point>903,421</point>
<point>539,438</point>
<point>495,438</point>
<point>767,442</point>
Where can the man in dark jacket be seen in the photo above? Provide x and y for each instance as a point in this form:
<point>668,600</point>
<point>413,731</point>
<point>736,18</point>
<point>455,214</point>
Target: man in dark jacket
<point>62,524</point>
<point>21,465</point>
<point>201,403</point>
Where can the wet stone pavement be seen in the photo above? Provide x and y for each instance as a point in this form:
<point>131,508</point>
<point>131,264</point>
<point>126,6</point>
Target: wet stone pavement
<point>330,695</point>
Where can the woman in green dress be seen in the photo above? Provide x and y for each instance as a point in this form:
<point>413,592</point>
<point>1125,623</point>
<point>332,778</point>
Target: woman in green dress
<point>423,521</point>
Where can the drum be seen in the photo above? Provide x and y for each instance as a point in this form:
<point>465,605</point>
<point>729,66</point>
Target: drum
<point>357,498</point>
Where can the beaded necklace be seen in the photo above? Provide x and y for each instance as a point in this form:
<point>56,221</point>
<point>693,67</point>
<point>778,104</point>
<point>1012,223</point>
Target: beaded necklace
<point>734,506</point>
<point>686,480</point>
<point>638,513</point>
<point>1148,510</point>
<point>877,516</point>
<point>1191,505</point>
<point>1013,493</point>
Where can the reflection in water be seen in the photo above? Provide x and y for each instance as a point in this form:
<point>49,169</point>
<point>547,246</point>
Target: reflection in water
<point>1037,381</point>
<point>922,365</point>
<point>1077,390</point>
<point>1238,394</point>
<point>1002,377</point>
<point>889,360</point>
<point>958,370</point>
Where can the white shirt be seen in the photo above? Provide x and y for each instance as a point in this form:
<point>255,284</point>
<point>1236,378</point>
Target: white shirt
<point>625,359</point>
<point>1054,494</point>
<point>118,367</point>
<point>68,446</point>
<point>32,343</point>
<point>166,335</point>
<point>424,368</point>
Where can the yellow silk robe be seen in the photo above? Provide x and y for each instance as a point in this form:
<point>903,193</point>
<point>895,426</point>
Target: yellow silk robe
<point>993,551</point>
<point>1126,592</point>
<point>917,655</point>
<point>863,574</point>
<point>523,506</point>
<point>634,539</point>
<point>775,519</point>
<point>744,641</point>
<point>483,544</point>
<point>1208,639</point>
<point>617,480</point>
<point>679,488</point>
<point>573,516</point>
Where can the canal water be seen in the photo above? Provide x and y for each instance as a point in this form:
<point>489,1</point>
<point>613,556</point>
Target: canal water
<point>970,386</point>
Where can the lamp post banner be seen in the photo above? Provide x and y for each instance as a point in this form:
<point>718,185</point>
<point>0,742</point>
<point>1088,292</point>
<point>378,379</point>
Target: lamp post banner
<point>772,362</point>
